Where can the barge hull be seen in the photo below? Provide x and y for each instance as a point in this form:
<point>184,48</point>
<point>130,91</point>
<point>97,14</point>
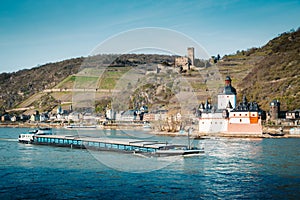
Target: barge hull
<point>153,148</point>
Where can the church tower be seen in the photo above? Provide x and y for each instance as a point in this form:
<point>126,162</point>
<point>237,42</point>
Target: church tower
<point>228,96</point>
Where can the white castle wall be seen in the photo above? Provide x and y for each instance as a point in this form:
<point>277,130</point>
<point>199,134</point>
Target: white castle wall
<point>212,123</point>
<point>223,100</point>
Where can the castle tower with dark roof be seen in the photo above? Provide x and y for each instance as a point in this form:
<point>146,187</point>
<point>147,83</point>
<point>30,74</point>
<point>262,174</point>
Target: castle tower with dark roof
<point>274,109</point>
<point>227,96</point>
<point>228,89</point>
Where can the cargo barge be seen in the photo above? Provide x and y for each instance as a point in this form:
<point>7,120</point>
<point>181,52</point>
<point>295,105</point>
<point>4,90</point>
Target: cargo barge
<point>145,147</point>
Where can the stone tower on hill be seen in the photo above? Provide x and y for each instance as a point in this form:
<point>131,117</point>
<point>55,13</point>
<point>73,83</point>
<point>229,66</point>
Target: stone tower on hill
<point>191,55</point>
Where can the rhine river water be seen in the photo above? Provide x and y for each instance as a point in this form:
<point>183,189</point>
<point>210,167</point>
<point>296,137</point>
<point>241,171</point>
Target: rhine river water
<point>229,169</point>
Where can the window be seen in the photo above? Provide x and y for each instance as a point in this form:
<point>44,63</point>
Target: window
<point>240,120</point>
<point>240,114</point>
<point>246,115</point>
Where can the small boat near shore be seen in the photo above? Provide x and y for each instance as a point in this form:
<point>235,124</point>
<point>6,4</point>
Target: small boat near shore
<point>41,131</point>
<point>80,126</point>
<point>28,138</point>
<point>278,132</point>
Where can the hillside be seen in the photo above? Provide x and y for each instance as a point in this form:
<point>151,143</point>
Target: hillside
<point>25,88</point>
<point>262,74</point>
<point>267,73</point>
<point>18,86</point>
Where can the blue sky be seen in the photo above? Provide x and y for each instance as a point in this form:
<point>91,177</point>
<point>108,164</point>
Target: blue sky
<point>36,32</point>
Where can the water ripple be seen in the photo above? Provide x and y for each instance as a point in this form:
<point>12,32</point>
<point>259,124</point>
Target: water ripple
<point>230,169</point>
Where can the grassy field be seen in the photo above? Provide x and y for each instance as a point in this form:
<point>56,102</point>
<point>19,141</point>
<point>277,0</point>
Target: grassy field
<point>94,78</point>
<point>67,83</point>
<point>111,76</point>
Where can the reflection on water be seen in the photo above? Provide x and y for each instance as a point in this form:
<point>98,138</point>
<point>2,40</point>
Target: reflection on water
<point>134,163</point>
<point>230,169</point>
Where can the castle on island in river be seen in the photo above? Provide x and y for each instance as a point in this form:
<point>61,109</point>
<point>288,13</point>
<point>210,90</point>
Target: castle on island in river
<point>230,118</point>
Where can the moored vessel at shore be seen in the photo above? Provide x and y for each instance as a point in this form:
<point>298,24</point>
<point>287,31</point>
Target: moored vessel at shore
<point>81,126</point>
<point>41,131</point>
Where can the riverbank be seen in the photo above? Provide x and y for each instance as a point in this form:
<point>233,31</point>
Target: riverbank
<point>268,131</point>
<point>29,125</point>
<point>225,135</point>
<point>63,125</point>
